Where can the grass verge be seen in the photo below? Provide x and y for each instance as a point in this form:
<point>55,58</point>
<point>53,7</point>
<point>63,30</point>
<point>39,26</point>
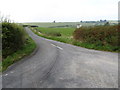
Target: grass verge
<point>26,49</point>
<point>67,37</point>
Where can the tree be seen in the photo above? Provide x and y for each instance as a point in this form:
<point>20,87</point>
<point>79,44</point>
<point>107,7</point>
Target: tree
<point>107,23</point>
<point>54,21</point>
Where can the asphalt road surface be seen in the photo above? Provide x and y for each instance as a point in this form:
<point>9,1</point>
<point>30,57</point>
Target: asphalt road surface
<point>58,65</point>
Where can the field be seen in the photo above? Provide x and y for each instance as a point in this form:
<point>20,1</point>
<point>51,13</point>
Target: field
<point>59,34</point>
<point>67,24</point>
<point>59,24</point>
<point>65,32</point>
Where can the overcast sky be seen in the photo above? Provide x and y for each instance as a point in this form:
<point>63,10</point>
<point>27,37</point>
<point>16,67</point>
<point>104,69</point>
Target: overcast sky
<point>59,10</point>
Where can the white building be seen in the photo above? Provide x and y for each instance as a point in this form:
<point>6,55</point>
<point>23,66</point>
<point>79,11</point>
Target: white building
<point>78,25</point>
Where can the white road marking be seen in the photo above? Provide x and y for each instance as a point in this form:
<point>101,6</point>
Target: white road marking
<point>6,74</point>
<point>61,78</point>
<point>53,45</point>
<point>57,46</point>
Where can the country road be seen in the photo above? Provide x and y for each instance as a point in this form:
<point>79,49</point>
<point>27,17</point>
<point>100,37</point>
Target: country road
<point>58,65</point>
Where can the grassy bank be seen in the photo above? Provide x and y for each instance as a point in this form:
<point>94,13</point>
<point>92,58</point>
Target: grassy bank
<point>25,50</point>
<point>68,35</point>
<point>15,44</point>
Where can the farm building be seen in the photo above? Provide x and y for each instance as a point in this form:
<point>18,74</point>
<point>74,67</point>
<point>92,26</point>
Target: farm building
<point>78,25</point>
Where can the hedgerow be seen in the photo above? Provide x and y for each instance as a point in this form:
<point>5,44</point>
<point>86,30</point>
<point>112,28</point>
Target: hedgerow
<point>100,36</point>
<point>13,37</point>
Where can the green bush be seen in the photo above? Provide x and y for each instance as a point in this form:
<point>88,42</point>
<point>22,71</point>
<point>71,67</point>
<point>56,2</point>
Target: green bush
<point>13,37</point>
<point>26,49</point>
<point>54,34</point>
<point>100,36</point>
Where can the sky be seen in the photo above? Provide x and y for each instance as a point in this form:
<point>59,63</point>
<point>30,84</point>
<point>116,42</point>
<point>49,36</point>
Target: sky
<point>59,10</point>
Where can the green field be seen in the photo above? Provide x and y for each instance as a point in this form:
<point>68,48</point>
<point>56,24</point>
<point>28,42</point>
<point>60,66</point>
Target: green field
<point>67,24</point>
<point>59,24</point>
<point>65,32</point>
<point>51,33</point>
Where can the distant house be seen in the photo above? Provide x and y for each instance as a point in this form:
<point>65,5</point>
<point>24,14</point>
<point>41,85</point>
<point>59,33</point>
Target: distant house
<point>78,25</point>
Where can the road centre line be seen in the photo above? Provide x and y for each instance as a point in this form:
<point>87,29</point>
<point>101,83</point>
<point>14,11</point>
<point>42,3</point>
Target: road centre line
<point>6,74</point>
<point>53,45</point>
<point>57,46</point>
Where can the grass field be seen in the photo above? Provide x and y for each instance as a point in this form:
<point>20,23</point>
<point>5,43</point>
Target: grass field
<point>60,24</point>
<point>66,24</point>
<point>65,33</point>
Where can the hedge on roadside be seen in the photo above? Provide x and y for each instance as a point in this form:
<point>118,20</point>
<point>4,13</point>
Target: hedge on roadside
<point>100,36</point>
<point>13,37</point>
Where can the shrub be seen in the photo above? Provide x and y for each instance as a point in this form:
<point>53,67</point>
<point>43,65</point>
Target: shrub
<point>13,37</point>
<point>98,35</point>
<point>54,33</point>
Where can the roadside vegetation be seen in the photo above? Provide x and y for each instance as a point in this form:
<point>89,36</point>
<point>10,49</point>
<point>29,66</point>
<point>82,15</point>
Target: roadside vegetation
<point>58,34</point>
<point>99,37</point>
<point>103,37</point>
<point>15,43</point>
